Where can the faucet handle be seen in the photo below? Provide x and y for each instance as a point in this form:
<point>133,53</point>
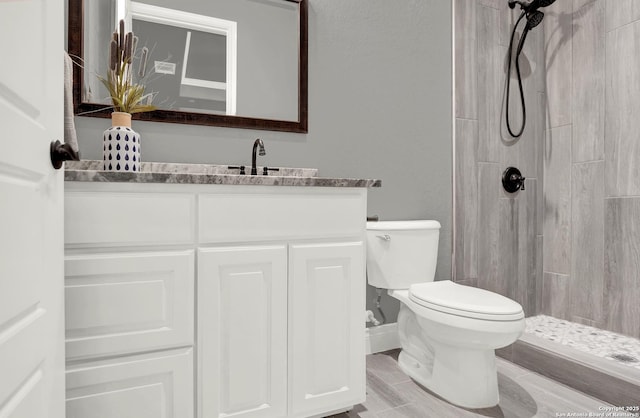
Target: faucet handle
<point>237,167</point>
<point>265,170</point>
<point>512,180</point>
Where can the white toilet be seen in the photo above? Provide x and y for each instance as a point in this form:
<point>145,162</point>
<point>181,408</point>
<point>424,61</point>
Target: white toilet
<point>448,332</point>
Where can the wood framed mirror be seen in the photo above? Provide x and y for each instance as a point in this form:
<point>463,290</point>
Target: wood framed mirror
<point>265,60</point>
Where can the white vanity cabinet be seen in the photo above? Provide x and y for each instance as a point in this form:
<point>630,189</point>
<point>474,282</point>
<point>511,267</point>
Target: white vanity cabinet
<point>266,283</point>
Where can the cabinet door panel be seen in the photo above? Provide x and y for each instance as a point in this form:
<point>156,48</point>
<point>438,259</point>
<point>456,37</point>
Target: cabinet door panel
<point>242,311</point>
<point>326,335</point>
<point>149,386</point>
<point>127,302</point>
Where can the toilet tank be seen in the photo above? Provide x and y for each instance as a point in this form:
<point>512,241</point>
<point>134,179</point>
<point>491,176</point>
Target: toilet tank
<point>401,253</point>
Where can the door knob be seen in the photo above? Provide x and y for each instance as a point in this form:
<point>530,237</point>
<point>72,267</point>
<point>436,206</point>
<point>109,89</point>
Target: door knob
<point>60,153</point>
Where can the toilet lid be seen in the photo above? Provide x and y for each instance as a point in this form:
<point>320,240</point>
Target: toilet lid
<point>450,297</point>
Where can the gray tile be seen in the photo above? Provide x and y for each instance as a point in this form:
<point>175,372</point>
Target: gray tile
<point>558,31</point>
<point>510,369</point>
<point>588,82</point>
<point>507,18</point>
<point>522,394</point>
<point>385,366</point>
<point>557,201</point>
<point>555,290</point>
<point>466,76</point>
<point>381,395</point>
<point>358,411</point>
<point>539,274</point>
<point>523,152</point>
<point>579,4</point>
<point>553,398</point>
<point>540,152</point>
<point>622,148</point>
<point>496,4</point>
<point>576,374</point>
<point>505,352</point>
<point>527,257</point>
<point>424,403</point>
<point>466,192</point>
<point>515,401</point>
<point>621,12</point>
<point>490,85</point>
<point>622,264</point>
<point>488,225</point>
<point>468,282</point>
<point>587,240</point>
<point>506,282</point>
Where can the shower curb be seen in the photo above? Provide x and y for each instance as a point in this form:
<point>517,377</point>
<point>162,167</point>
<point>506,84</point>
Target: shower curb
<point>580,371</point>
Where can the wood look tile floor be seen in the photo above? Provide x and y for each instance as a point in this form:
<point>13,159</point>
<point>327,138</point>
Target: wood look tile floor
<point>523,394</point>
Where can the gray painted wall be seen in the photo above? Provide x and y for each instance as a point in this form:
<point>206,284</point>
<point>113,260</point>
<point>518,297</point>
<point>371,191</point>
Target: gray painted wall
<point>379,107</point>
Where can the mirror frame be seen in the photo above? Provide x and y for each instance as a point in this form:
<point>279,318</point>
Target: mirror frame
<point>76,49</point>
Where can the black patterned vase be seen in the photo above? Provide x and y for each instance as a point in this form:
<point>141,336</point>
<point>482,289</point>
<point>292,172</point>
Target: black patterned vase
<point>121,145</point>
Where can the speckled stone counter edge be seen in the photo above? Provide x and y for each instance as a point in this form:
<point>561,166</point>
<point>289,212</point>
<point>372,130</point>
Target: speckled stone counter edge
<point>90,171</point>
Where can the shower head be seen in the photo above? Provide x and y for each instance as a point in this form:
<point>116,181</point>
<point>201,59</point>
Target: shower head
<point>534,19</point>
<point>532,6</point>
<point>536,4</point>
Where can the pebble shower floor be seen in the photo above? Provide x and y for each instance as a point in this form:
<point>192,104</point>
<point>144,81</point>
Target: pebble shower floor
<point>606,344</point>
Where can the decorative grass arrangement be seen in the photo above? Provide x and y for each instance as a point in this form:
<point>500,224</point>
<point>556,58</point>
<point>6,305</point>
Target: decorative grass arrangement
<point>126,96</point>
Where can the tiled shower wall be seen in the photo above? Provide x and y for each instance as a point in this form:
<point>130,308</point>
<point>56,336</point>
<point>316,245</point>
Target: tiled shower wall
<point>568,246</point>
<point>498,236</point>
<point>592,164</point>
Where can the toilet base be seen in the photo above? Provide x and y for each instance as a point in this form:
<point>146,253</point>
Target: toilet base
<point>466,378</point>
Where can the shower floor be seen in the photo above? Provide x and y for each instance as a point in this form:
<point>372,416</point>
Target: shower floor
<point>609,345</point>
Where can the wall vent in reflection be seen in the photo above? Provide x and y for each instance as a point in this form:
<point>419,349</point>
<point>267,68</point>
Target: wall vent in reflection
<point>164,67</point>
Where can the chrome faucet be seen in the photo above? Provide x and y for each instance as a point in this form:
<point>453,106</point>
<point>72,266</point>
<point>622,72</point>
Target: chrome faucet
<point>258,143</point>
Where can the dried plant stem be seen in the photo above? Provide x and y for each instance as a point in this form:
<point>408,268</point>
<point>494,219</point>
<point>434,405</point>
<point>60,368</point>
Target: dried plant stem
<point>126,95</point>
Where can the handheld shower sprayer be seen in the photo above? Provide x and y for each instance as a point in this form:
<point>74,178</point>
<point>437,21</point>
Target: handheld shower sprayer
<point>513,3</point>
<point>533,20</point>
<point>534,17</point>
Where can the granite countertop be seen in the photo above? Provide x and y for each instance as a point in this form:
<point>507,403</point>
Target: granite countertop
<point>91,171</point>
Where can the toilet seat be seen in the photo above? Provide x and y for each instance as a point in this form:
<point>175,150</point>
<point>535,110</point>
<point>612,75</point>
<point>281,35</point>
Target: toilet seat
<point>470,302</point>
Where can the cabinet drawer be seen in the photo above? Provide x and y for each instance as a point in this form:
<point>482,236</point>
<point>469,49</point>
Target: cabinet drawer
<point>107,219</point>
<point>280,214</point>
<point>121,303</point>
<point>150,386</point>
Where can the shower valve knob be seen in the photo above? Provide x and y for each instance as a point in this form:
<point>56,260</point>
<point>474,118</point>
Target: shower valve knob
<point>512,180</point>
<point>518,179</point>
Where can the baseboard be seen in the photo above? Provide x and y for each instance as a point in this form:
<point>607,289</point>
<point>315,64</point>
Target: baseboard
<point>381,338</point>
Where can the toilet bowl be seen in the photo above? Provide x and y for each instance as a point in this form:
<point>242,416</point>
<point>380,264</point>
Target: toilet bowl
<point>448,332</point>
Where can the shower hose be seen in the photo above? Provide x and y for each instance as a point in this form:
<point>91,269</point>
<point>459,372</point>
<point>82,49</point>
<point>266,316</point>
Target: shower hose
<point>524,109</point>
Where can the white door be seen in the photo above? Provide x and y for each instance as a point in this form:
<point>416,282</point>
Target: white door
<point>31,210</point>
<point>326,333</point>
<point>242,323</point>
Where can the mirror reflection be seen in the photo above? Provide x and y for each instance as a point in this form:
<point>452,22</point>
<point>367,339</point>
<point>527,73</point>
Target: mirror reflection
<point>228,57</point>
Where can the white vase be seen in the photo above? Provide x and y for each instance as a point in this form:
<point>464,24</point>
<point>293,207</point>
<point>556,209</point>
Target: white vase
<point>121,145</point>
